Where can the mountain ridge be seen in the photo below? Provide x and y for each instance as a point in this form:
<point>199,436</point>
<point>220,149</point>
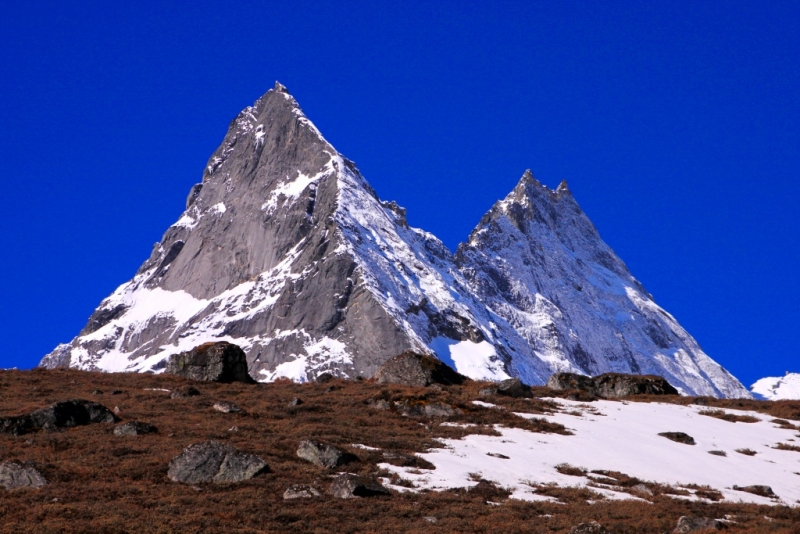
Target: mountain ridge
<point>285,249</point>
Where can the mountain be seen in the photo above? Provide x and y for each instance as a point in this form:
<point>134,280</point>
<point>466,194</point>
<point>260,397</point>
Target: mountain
<point>774,388</point>
<point>538,262</point>
<point>286,250</point>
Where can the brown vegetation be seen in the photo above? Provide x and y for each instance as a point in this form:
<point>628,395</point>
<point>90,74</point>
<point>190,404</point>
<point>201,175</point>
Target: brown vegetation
<point>730,417</point>
<point>99,482</point>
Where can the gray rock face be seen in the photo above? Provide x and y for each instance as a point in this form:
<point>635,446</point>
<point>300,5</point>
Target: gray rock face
<point>687,524</point>
<point>14,475</point>
<point>211,362</point>
<point>323,454</point>
<point>285,250</point>
<point>134,428</point>
<point>64,414</point>
<point>612,385</point>
<point>214,462</point>
<point>412,369</point>
<point>347,486</point>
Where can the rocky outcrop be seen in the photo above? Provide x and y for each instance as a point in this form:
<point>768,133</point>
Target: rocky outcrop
<point>612,385</point>
<point>134,428</point>
<point>211,362</point>
<point>60,415</point>
<point>15,475</point>
<point>214,462</point>
<point>324,454</point>
<point>687,524</point>
<point>412,369</point>
<point>347,486</point>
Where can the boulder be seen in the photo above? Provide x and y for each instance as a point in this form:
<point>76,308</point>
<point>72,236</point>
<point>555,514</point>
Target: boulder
<point>513,387</point>
<point>426,409</point>
<point>226,407</point>
<point>347,486</point>
<point>300,491</point>
<point>184,392</point>
<point>761,491</point>
<point>612,385</point>
<point>134,428</point>
<point>592,527</point>
<point>211,362</point>
<point>678,437</point>
<point>216,462</point>
<point>64,414</point>
<point>687,524</point>
<point>324,454</point>
<point>412,369</point>
<point>15,475</point>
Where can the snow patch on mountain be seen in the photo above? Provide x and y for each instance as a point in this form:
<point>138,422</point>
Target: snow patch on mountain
<point>778,387</point>
<point>621,437</point>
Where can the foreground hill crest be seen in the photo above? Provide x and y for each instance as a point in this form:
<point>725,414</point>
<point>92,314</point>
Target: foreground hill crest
<point>286,250</point>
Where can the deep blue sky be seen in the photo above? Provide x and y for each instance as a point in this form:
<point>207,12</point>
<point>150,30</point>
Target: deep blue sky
<point>677,126</point>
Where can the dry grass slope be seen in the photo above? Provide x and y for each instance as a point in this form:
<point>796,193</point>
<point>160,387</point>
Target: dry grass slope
<point>99,482</point>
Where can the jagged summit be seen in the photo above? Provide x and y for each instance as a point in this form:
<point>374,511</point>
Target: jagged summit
<point>286,250</point>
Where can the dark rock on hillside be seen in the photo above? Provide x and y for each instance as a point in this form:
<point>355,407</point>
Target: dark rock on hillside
<point>300,491</point>
<point>214,462</point>
<point>65,414</point>
<point>612,385</point>
<point>184,392</point>
<point>426,409</point>
<point>226,407</point>
<point>347,486</point>
<point>324,454</point>
<point>687,524</point>
<point>588,528</point>
<point>134,428</point>
<point>762,491</point>
<point>412,369</point>
<point>15,475</point>
<point>513,387</point>
<point>678,437</point>
<point>211,362</point>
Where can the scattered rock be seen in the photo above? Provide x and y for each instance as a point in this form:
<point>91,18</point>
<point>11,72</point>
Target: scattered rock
<point>381,404</point>
<point>297,401</point>
<point>700,401</point>
<point>324,378</point>
<point>687,524</point>
<point>347,485</point>
<point>513,387</point>
<point>431,519</point>
<point>300,491</point>
<point>718,453</point>
<point>64,414</point>
<point>184,392</point>
<point>15,475</point>
<point>407,460</point>
<point>97,392</point>
<point>211,362</point>
<point>762,491</point>
<point>588,528</point>
<point>612,385</point>
<point>498,455</point>
<point>642,489</point>
<point>426,409</point>
<point>412,369</point>
<point>324,454</point>
<point>117,410</point>
<point>679,437</point>
<point>216,462</point>
<point>226,407</point>
<point>134,428</point>
<point>117,392</point>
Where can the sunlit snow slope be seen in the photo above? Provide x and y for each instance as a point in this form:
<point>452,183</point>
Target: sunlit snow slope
<point>778,387</point>
<point>286,250</point>
<point>622,437</point>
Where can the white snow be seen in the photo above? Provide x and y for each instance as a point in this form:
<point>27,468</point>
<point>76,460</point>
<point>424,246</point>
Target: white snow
<point>623,437</point>
<point>778,387</point>
<point>474,360</point>
<point>218,208</point>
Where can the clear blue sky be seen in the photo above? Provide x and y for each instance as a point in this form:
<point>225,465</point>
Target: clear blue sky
<point>677,125</point>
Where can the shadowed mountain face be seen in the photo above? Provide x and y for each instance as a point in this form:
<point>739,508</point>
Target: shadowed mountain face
<point>285,250</point>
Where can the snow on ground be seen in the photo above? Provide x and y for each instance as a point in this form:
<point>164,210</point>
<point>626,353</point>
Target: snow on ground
<point>622,437</point>
<point>778,387</point>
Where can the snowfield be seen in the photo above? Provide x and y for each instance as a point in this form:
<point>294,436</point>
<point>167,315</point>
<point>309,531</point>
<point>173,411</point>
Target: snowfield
<point>622,437</point>
<point>778,387</point>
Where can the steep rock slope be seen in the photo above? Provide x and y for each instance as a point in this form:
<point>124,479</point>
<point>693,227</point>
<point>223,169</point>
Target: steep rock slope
<point>285,250</point>
<point>536,260</point>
